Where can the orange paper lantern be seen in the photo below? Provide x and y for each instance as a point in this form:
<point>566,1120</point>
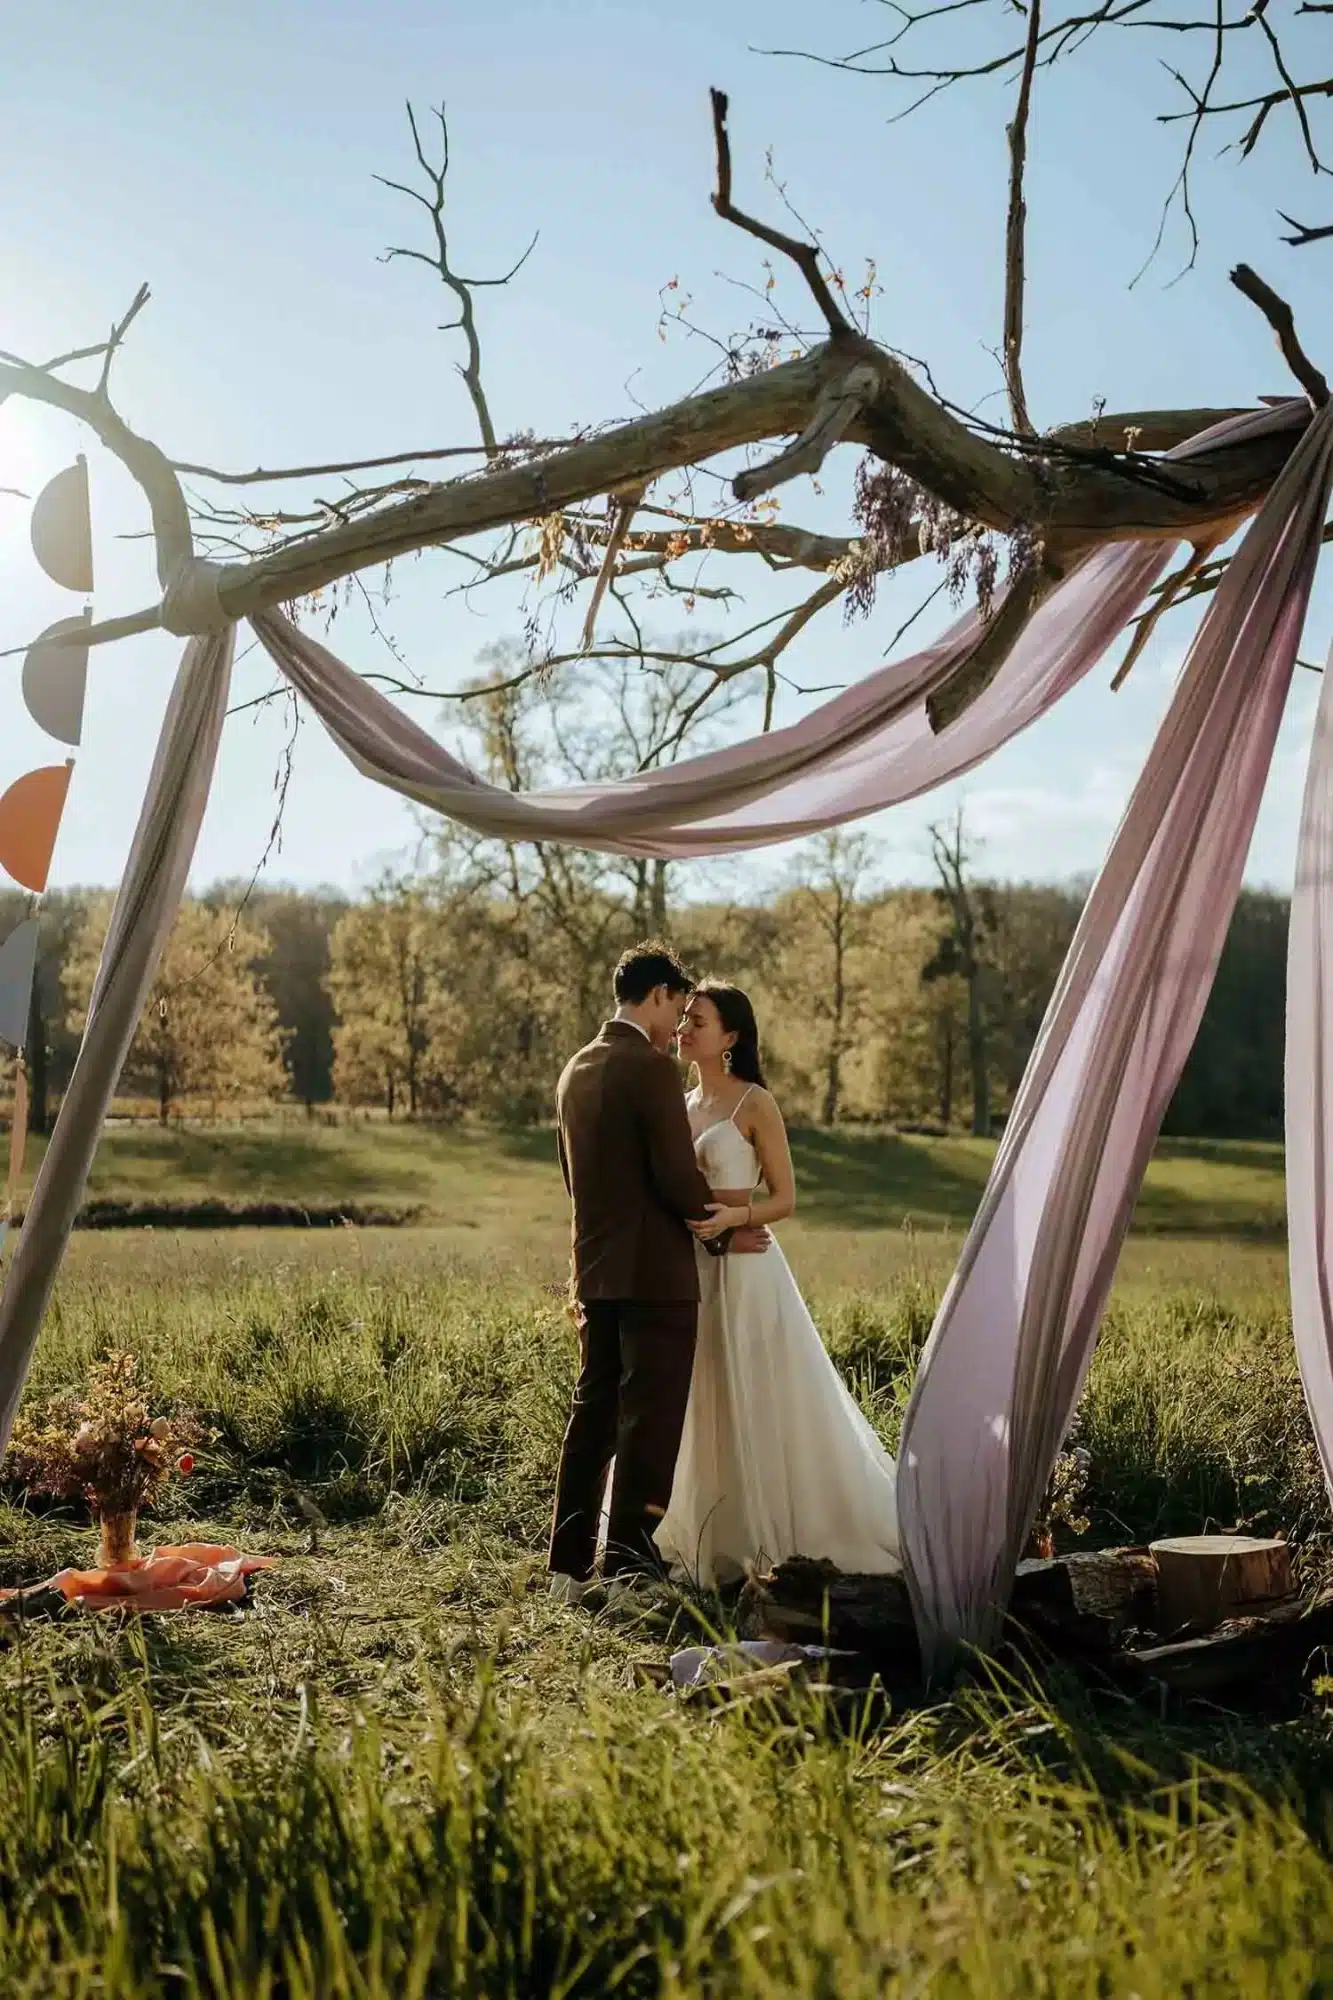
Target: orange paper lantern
<point>29,822</point>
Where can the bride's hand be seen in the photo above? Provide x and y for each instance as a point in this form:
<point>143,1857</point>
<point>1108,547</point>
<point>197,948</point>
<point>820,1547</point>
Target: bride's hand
<point>721,1218</point>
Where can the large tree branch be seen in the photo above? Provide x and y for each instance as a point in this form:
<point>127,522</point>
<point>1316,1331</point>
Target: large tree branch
<point>1069,494</point>
<point>1084,503</point>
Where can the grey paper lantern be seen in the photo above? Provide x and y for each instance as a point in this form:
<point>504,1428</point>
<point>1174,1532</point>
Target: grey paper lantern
<point>55,679</point>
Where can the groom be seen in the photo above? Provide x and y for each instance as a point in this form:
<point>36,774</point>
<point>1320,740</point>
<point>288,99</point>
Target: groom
<point>627,1156</point>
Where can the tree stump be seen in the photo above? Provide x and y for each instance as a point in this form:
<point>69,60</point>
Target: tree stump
<point>1204,1579</point>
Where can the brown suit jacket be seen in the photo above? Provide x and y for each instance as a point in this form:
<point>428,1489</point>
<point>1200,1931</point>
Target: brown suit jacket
<point>627,1156</point>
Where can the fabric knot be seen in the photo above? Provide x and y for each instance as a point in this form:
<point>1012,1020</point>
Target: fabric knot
<point>190,602</point>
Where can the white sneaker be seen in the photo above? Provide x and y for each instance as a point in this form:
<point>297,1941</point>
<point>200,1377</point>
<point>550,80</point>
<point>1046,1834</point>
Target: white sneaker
<point>622,1590</point>
<point>567,1589</point>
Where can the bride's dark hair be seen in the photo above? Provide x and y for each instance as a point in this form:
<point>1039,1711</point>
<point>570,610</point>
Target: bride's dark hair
<point>737,1017</point>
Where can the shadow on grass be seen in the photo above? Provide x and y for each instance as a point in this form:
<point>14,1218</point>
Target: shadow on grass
<point>243,1163</point>
<point>533,1144</point>
<point>1253,1156</point>
<point>877,1180</point>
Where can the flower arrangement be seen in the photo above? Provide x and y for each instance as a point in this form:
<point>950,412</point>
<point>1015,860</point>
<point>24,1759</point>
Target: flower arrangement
<point>105,1448</point>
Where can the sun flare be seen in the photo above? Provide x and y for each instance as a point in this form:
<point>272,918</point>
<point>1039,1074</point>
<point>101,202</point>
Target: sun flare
<point>32,447</point>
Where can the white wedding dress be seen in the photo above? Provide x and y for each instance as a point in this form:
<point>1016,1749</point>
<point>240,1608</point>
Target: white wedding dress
<point>776,1460</point>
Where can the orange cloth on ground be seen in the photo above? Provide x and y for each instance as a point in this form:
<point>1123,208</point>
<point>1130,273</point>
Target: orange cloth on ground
<point>170,1579</point>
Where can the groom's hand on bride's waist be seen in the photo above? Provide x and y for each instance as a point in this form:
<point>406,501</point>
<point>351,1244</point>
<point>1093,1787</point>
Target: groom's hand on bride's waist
<point>749,1239</point>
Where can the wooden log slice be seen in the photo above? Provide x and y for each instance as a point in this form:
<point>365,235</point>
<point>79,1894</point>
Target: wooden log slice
<point>1203,1579</point>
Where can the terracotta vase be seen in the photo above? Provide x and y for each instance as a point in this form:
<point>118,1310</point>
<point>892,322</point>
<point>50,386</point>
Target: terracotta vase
<point>117,1548</point>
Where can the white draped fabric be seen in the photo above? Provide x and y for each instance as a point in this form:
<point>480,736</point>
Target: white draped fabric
<point>141,921</point>
<point>1015,1332</point>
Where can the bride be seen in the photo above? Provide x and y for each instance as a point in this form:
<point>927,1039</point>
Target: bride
<point>776,1458</point>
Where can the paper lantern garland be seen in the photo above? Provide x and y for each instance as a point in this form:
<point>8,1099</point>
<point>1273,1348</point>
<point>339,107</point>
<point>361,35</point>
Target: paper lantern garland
<point>62,529</point>
<point>29,822</point>
<point>55,680</point>
<point>18,963</point>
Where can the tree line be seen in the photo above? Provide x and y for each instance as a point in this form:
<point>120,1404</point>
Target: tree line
<point>458,991</point>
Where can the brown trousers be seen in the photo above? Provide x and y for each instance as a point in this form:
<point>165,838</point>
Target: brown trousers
<point>629,1404</point>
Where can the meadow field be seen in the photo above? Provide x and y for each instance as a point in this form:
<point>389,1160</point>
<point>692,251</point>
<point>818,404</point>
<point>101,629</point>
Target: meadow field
<point>406,1772</point>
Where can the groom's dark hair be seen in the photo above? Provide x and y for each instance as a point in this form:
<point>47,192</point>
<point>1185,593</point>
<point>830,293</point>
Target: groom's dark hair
<point>645,967</point>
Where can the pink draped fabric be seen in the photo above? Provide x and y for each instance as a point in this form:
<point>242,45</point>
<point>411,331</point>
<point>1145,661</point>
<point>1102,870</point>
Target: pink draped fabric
<point>868,748</point>
<point>1309,1084</point>
<point>1011,1344</point>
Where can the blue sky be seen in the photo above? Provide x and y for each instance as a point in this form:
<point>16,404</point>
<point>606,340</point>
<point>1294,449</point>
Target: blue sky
<point>229,159</point>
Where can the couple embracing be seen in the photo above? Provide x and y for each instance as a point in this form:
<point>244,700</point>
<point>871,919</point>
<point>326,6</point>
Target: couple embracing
<point>705,1391</point>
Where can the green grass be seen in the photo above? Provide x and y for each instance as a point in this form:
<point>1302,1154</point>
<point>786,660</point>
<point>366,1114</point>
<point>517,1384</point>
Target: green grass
<point>408,1772</point>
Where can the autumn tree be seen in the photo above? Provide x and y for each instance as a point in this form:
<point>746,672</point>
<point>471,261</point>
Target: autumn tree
<point>963,952</point>
<point>823,971</point>
<point>294,969</point>
<point>209,1032</point>
<point>394,977</point>
<point>51,1044</point>
<point>915,1027</point>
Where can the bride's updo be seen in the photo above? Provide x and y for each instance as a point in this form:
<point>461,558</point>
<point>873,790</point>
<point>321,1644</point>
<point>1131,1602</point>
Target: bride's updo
<point>737,1018</point>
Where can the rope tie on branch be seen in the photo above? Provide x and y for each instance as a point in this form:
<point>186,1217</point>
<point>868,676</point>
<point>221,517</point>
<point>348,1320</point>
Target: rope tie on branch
<point>191,604</point>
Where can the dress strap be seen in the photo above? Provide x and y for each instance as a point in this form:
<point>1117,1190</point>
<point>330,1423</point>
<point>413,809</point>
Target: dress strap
<point>740,1100</point>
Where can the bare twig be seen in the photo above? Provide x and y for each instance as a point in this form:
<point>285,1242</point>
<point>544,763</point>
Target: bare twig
<point>1174,590</point>
<point>1047,44</point>
<point>805,256</point>
<point>117,337</point>
<point>1016,230</point>
<point>1279,316</point>
<point>262,475</point>
<point>624,508</point>
<point>462,288</point>
<point>1304,233</point>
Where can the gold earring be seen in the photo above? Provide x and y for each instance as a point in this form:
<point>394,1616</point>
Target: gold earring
<point>726,1061</point>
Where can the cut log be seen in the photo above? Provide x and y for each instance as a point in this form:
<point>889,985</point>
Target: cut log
<point>1090,1600</point>
<point>812,1603</point>
<point>1203,1579</point>
<point>1249,1661</point>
